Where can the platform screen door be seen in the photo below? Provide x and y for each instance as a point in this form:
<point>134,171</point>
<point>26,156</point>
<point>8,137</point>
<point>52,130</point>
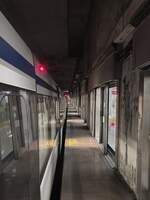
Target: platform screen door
<point>112,117</point>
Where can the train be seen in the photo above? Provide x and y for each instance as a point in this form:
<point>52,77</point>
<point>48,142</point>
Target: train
<point>30,128</point>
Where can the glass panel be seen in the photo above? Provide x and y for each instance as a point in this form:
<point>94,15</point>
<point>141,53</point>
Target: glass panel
<point>6,143</point>
<point>14,175</point>
<point>112,117</point>
<point>19,174</point>
<point>30,155</point>
<point>45,144</point>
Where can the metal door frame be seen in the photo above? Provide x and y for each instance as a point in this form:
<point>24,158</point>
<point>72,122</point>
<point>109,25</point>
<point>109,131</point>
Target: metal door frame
<point>105,118</point>
<point>105,139</point>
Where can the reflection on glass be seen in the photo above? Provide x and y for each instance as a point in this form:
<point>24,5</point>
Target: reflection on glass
<point>5,128</point>
<point>43,129</point>
<point>112,117</point>
<point>53,120</point>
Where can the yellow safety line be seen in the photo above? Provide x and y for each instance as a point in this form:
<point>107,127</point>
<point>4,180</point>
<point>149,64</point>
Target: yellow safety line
<point>71,142</point>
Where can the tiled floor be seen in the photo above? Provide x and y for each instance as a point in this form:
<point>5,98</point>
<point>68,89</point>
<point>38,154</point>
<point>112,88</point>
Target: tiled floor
<point>87,175</point>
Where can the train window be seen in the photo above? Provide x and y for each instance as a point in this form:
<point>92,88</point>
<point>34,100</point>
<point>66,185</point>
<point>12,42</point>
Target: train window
<point>16,125</point>
<point>19,156</point>
<point>43,129</point>
<point>53,119</point>
<point>6,142</point>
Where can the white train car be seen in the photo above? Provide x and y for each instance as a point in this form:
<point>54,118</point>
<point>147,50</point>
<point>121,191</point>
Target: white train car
<point>29,114</point>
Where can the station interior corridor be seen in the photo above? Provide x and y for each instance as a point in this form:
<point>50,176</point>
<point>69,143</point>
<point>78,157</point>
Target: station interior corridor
<point>87,174</point>
<point>75,100</point>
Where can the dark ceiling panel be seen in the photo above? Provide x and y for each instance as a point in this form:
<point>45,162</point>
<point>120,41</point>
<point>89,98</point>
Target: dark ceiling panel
<point>78,20</point>
<point>43,23</point>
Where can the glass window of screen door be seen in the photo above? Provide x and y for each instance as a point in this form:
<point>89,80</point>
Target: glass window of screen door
<point>6,143</point>
<point>112,117</point>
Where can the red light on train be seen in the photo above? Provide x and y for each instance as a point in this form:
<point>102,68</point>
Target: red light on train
<point>42,69</point>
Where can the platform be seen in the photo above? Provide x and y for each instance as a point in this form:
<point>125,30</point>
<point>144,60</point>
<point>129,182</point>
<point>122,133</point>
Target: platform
<point>87,174</point>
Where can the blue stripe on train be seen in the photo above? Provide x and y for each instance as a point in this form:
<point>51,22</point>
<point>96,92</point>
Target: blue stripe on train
<point>10,55</point>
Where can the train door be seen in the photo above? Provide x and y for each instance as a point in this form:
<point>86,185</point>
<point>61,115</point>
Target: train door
<point>98,115</point>
<point>145,139</point>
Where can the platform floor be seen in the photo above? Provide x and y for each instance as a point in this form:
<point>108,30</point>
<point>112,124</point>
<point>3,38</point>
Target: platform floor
<point>87,174</point>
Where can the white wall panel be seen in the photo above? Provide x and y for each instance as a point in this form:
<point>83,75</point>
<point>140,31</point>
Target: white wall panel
<point>9,34</point>
<point>12,76</point>
<point>44,91</point>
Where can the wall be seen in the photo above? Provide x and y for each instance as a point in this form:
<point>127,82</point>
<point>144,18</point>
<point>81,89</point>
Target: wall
<point>142,47</point>
<point>128,132</point>
<point>103,66</point>
<point>108,19</point>
<point>130,115</point>
<point>105,72</point>
<point>104,17</point>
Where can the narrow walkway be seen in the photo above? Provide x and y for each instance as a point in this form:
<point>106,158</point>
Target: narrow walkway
<point>87,175</point>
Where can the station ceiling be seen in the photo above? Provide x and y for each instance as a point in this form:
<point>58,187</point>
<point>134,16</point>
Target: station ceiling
<point>54,30</point>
